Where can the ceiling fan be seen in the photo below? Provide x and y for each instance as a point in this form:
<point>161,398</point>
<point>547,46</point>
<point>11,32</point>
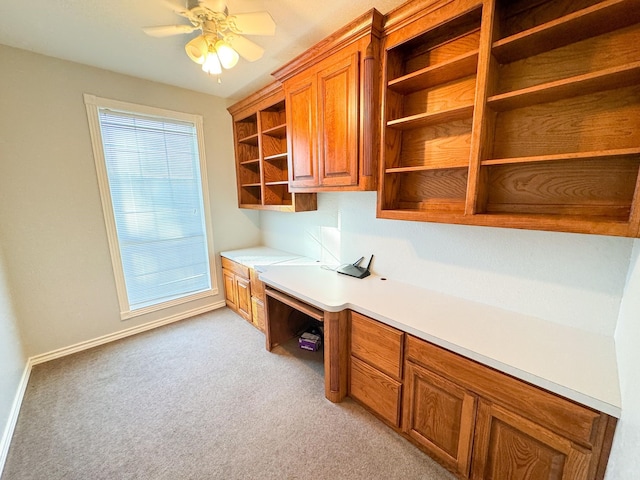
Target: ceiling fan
<point>221,40</point>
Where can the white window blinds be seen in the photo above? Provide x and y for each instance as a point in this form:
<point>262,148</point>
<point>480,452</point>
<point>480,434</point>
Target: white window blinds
<point>153,170</point>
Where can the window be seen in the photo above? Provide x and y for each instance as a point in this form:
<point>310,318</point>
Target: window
<point>152,178</point>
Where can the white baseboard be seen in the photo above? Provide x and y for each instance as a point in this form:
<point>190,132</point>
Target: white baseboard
<point>78,347</point>
<point>5,441</point>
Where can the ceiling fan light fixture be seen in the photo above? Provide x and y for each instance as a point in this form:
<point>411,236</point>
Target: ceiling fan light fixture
<point>228,56</point>
<point>211,64</point>
<point>197,49</point>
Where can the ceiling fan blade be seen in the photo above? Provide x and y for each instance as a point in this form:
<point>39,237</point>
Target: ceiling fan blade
<point>177,7</point>
<point>168,30</point>
<point>256,23</point>
<point>246,48</point>
<point>215,5</point>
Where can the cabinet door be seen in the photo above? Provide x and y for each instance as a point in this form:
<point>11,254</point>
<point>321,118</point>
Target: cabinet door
<point>301,135</point>
<point>243,294</point>
<point>338,122</point>
<point>230,289</point>
<point>439,415</point>
<point>510,446</point>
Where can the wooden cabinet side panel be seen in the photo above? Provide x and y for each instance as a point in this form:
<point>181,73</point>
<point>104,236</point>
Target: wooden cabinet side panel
<point>257,313</point>
<point>336,355</point>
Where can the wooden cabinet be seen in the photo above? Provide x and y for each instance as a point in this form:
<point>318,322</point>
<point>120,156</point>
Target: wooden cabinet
<point>479,423</point>
<point>513,113</point>
<point>483,424</point>
<point>244,292</point>
<point>237,288</point>
<point>260,137</point>
<point>331,92</point>
<point>375,367</point>
<point>439,415</point>
<point>510,446</point>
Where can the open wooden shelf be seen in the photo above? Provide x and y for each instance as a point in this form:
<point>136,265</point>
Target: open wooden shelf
<point>250,161</point>
<point>249,140</point>
<point>524,117</point>
<point>279,131</point>
<point>615,77</point>
<point>600,154</point>
<point>260,132</point>
<point>427,119</point>
<point>453,69</point>
<point>589,22</point>
<point>276,157</point>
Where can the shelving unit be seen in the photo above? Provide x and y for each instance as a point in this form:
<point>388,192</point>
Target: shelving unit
<point>260,133</point>
<point>565,115</point>
<point>428,106</point>
<point>540,127</point>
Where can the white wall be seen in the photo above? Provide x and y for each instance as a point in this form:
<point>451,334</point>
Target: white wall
<point>12,357</point>
<point>571,279</point>
<point>624,462</point>
<point>53,231</point>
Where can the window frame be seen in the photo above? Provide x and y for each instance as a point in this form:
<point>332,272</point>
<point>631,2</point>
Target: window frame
<point>93,104</point>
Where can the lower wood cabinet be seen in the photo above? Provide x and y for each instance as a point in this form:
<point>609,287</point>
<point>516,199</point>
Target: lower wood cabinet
<point>244,292</point>
<point>439,416</point>
<point>375,367</point>
<point>237,288</point>
<point>479,423</point>
<point>510,446</point>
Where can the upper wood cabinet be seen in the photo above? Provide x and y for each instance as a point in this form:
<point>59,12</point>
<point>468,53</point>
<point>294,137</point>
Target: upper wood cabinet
<point>331,95</point>
<point>513,113</point>
<point>260,140</point>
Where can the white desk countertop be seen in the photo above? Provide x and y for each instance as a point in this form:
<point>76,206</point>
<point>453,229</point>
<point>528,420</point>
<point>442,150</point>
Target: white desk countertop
<point>573,363</point>
<point>256,257</point>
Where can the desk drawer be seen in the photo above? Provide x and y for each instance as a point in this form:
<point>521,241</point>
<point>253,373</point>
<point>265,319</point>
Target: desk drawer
<point>375,390</point>
<point>236,268</point>
<point>377,344</point>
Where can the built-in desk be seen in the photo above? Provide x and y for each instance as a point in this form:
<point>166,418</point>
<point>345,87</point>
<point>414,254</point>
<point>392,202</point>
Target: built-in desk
<point>572,363</point>
<point>487,392</point>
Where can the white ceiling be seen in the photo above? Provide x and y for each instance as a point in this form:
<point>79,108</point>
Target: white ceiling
<point>108,34</point>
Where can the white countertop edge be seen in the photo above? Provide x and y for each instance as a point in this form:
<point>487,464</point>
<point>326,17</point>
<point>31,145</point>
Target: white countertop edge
<point>541,382</point>
<point>567,392</point>
<point>536,380</point>
<point>257,257</point>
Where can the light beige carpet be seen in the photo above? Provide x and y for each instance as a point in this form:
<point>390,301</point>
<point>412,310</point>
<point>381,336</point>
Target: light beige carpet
<point>200,399</point>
